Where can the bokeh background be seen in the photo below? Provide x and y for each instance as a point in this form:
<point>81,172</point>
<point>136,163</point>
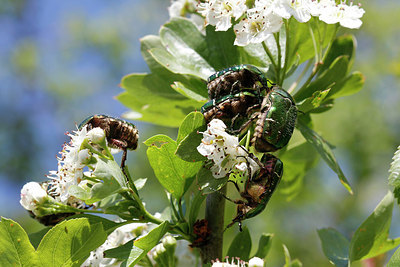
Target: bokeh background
<point>61,61</point>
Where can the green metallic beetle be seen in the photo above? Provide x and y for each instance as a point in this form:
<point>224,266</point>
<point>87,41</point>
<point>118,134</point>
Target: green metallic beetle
<point>119,133</point>
<point>275,121</point>
<point>233,110</point>
<point>259,189</point>
<point>235,79</point>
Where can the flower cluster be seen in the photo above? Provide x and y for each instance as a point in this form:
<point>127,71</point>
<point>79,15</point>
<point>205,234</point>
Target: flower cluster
<point>254,24</point>
<point>224,151</point>
<point>75,156</point>
<point>117,238</point>
<point>236,262</point>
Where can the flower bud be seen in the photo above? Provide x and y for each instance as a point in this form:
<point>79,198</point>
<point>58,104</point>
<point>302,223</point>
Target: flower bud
<point>32,194</point>
<point>96,135</point>
<point>256,262</point>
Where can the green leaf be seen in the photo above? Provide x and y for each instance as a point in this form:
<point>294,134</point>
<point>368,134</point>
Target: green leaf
<point>325,151</point>
<point>182,42</point>
<point>313,101</point>
<point>344,45</point>
<point>348,86</point>
<point>70,242</point>
<point>371,238</point>
<point>264,244</point>
<point>288,261</point>
<point>121,253</point>
<point>174,174</point>
<point>108,225</point>
<point>112,180</point>
<point>183,90</point>
<point>189,137</point>
<point>191,83</point>
<point>301,41</point>
<point>241,245</point>
<point>146,243</point>
<point>394,179</point>
<point>36,237</point>
<point>337,70</point>
<point>194,121</point>
<point>152,107</point>
<point>335,246</point>
<point>207,183</point>
<point>395,259</point>
<point>297,159</point>
<point>16,250</point>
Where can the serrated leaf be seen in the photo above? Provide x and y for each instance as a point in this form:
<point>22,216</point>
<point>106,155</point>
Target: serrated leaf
<point>194,121</point>
<point>371,238</point>
<point>144,244</point>
<point>335,246</point>
<point>325,151</point>
<point>207,183</point>
<point>395,259</point>
<point>313,101</point>
<point>155,108</point>
<point>241,245</point>
<point>348,86</point>
<point>70,242</point>
<point>344,45</point>
<point>264,244</point>
<point>174,174</point>
<point>16,250</point>
<point>394,171</point>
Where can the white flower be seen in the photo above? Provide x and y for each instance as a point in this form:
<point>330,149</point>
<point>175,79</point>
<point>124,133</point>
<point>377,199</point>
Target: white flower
<point>220,12</point>
<point>318,7</point>
<point>70,169</point>
<point>260,23</point>
<point>299,9</point>
<point>347,16</point>
<point>256,262</point>
<point>117,238</point>
<point>96,135</point>
<point>32,194</point>
<point>235,262</point>
<point>223,150</point>
<point>179,8</point>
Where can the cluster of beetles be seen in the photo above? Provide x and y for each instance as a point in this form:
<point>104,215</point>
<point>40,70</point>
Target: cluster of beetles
<point>244,99</point>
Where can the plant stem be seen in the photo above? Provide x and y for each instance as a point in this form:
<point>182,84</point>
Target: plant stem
<point>215,207</point>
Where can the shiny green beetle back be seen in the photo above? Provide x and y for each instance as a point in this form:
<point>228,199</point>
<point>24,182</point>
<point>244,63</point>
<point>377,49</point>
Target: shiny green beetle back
<point>276,122</point>
<point>235,79</point>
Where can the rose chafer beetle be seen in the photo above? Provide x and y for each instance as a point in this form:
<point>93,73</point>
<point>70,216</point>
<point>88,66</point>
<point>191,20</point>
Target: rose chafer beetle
<point>119,133</point>
<point>235,79</point>
<point>258,189</point>
<point>233,110</point>
<point>275,121</point>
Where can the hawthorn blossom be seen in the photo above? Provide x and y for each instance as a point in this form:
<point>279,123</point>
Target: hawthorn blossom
<point>117,238</point>
<point>220,12</point>
<point>260,23</point>
<point>180,8</point>
<point>348,16</point>
<point>32,194</point>
<point>236,262</point>
<point>224,151</point>
<point>299,9</point>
